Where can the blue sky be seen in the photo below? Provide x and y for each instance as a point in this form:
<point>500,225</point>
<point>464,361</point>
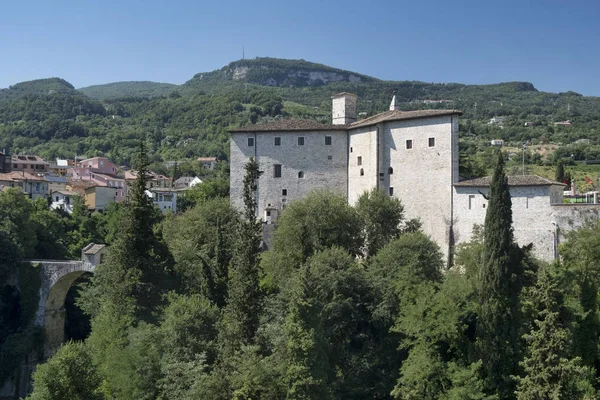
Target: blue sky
<point>552,43</point>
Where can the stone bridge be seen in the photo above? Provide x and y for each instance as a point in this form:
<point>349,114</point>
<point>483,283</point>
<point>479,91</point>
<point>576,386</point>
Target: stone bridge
<point>56,280</point>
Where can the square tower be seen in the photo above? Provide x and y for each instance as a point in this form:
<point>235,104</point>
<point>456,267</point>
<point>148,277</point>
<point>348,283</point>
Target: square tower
<point>343,108</point>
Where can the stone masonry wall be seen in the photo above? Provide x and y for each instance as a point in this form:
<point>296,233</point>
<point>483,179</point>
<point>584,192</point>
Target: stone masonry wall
<point>363,144</point>
<point>422,176</point>
<point>535,219</point>
<point>323,166</point>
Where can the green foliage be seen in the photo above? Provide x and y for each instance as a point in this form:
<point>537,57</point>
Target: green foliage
<point>138,270</point>
<point>209,189</point>
<point>501,278</point>
<point>242,312</point>
<point>201,241</point>
<point>559,176</point>
<point>549,370</point>
<point>307,373</point>
<point>69,374</point>
<point>382,216</point>
<point>127,89</point>
<point>581,257</point>
<point>316,222</point>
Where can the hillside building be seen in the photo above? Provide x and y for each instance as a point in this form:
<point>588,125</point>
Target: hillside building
<point>29,163</point>
<point>412,155</point>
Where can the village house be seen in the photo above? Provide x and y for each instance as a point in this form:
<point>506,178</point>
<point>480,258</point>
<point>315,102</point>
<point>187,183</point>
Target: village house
<point>4,163</point>
<point>186,182</point>
<point>56,183</point>
<point>29,163</point>
<point>63,200</point>
<point>208,162</point>
<point>411,155</point>
<point>34,186</point>
<point>153,179</point>
<point>103,173</point>
<point>164,198</point>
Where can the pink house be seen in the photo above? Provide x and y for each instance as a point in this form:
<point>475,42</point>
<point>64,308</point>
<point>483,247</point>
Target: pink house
<point>103,172</point>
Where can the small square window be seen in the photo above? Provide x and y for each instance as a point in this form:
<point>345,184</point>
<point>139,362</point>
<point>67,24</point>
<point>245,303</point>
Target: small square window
<point>250,142</point>
<point>276,170</point>
<point>391,191</point>
<point>330,157</point>
<point>409,144</point>
<point>431,142</point>
<point>284,192</point>
<point>359,160</point>
<point>277,141</point>
<point>327,140</point>
<point>300,140</point>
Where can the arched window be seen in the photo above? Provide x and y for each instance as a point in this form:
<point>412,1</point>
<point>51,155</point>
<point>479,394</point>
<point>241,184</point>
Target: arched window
<point>301,175</point>
<point>390,170</point>
<point>362,172</point>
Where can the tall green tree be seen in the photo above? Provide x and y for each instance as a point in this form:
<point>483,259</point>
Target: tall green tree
<point>581,256</point>
<point>242,312</point>
<point>550,370</point>
<point>500,280</point>
<point>201,240</point>
<point>381,216</point>
<point>307,372</point>
<point>69,374</point>
<point>319,221</point>
<point>559,175</point>
<point>138,271</point>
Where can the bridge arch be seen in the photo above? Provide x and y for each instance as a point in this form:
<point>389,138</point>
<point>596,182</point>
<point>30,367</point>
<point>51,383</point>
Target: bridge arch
<point>57,279</point>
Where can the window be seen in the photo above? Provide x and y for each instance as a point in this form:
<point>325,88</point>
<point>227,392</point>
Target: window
<point>284,192</point>
<point>15,166</point>
<point>431,142</point>
<point>250,142</point>
<point>350,149</point>
<point>471,201</point>
<point>359,160</point>
<point>409,144</point>
<point>277,141</point>
<point>390,170</point>
<point>362,172</point>
<point>277,171</point>
<point>391,191</point>
<point>300,140</point>
<point>300,174</point>
<point>268,213</point>
<point>329,157</point>
<point>327,140</point>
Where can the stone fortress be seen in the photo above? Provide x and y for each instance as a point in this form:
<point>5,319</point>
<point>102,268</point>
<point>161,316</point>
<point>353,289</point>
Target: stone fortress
<point>412,155</point>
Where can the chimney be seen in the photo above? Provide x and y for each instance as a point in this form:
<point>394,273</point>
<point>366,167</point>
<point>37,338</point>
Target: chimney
<point>394,105</point>
<point>343,108</point>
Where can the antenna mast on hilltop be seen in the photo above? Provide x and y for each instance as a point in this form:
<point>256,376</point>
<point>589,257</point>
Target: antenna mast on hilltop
<point>243,53</point>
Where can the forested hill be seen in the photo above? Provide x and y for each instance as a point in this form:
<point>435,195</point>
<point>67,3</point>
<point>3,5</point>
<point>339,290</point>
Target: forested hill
<point>50,118</point>
<point>126,89</point>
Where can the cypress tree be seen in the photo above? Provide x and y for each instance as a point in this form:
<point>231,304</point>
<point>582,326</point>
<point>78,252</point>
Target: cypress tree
<point>549,371</point>
<point>241,314</point>
<point>138,271</point>
<point>306,375</point>
<point>499,287</point>
<point>559,176</point>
